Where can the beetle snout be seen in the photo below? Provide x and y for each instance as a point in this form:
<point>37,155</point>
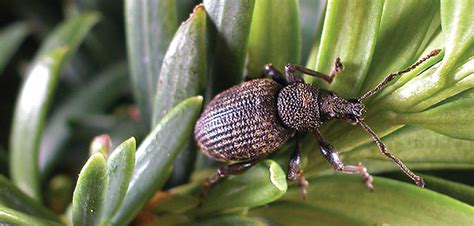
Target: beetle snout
<point>356,112</point>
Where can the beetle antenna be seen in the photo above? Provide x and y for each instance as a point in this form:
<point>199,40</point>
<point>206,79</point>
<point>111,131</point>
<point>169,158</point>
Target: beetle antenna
<point>391,76</point>
<point>418,180</point>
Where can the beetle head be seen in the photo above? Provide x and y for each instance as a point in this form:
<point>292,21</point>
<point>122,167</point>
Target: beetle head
<point>334,107</point>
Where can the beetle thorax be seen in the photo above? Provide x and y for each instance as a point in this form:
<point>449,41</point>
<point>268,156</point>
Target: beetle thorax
<point>298,107</point>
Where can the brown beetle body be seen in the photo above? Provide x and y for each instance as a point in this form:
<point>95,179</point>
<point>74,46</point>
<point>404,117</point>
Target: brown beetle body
<point>251,120</point>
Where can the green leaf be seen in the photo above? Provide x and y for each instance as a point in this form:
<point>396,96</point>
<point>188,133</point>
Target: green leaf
<point>69,33</point>
<point>89,194</point>
<point>350,35</point>
<point>418,145</point>
<point>462,192</point>
<point>457,23</point>
<point>183,75</point>
<point>94,97</point>
<point>119,170</point>
<point>150,26</point>
<point>228,221</point>
<point>302,213</point>
<point>34,99</point>
<point>10,39</point>
<point>261,184</point>
<point>12,217</point>
<point>184,70</point>
<point>29,116</point>
<point>459,191</point>
<point>11,197</point>
<point>454,74</point>
<point>155,156</point>
<point>405,25</point>
<point>171,202</point>
<point>346,197</point>
<point>311,17</point>
<point>275,36</point>
<point>229,28</point>
<point>452,119</point>
<point>419,148</point>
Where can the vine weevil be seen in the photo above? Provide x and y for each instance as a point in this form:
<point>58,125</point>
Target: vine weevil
<point>248,121</point>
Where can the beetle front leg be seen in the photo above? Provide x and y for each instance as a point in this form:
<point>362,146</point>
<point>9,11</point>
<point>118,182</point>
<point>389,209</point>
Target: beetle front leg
<point>290,70</point>
<point>233,169</point>
<point>274,74</point>
<point>294,168</point>
<point>330,154</point>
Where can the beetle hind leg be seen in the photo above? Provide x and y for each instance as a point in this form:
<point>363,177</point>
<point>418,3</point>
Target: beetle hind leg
<point>330,154</point>
<point>294,168</point>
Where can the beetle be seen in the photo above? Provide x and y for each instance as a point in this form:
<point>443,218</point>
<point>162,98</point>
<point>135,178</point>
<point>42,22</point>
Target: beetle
<point>246,122</point>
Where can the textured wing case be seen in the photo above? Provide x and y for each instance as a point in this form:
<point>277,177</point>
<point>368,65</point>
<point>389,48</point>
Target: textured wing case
<point>241,123</point>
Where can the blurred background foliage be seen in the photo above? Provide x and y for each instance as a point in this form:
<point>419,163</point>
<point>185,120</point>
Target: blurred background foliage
<point>141,70</point>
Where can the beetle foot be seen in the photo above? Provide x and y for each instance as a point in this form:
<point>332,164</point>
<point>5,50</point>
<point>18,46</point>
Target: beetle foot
<point>361,170</point>
<point>203,193</point>
<point>303,183</point>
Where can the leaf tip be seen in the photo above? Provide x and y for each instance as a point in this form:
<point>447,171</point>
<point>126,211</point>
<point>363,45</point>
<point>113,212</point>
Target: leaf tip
<point>197,9</point>
<point>101,143</point>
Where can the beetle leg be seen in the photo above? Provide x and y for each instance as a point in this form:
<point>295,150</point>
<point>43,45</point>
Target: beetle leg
<point>290,70</point>
<point>233,169</point>
<point>274,74</point>
<point>330,154</point>
<point>294,168</point>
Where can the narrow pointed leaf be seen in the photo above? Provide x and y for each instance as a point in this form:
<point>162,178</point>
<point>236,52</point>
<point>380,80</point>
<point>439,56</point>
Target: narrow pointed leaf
<point>229,28</point>
<point>12,217</point>
<point>10,39</point>
<point>37,92</point>
<point>184,70</point>
<point>275,36</point>
<point>257,186</point>
<point>92,98</point>
<point>119,170</point>
<point>89,194</point>
<point>30,114</point>
<point>183,75</point>
<point>335,196</point>
<point>150,26</point>
<point>155,156</point>
<point>356,25</point>
<point>11,197</point>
